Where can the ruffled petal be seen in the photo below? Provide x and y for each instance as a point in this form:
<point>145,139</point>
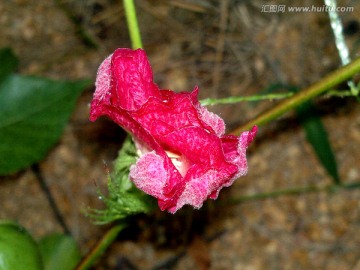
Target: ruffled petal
<point>149,174</point>
<point>132,82</point>
<point>102,94</point>
<point>213,120</point>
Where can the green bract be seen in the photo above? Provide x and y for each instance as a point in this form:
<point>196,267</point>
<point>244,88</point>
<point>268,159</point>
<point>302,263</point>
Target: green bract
<point>123,199</point>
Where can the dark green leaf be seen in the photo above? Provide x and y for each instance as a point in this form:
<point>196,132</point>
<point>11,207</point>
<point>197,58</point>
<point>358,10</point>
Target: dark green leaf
<point>8,61</point>
<point>18,251</point>
<point>33,114</point>
<point>318,137</point>
<point>59,252</point>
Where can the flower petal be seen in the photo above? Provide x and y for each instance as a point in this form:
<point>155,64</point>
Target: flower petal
<point>199,189</point>
<point>213,120</point>
<point>149,174</point>
<point>132,81</point>
<point>102,94</point>
<point>124,81</point>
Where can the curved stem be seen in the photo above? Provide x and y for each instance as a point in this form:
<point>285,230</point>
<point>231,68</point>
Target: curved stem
<point>132,22</point>
<point>316,89</point>
<point>100,247</point>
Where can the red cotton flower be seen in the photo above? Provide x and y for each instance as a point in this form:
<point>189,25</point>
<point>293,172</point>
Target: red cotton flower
<point>184,155</point>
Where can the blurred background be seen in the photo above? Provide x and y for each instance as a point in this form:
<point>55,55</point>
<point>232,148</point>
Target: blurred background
<point>230,47</point>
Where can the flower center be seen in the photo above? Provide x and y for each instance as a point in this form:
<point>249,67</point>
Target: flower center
<point>179,162</point>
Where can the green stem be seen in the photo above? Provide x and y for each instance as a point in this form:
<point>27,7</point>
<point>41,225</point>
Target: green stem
<point>316,89</point>
<point>339,93</point>
<point>293,191</point>
<point>232,100</point>
<point>276,96</point>
<point>100,247</point>
<point>132,22</point>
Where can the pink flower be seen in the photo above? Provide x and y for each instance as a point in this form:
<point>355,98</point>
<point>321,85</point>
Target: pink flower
<point>184,155</point>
